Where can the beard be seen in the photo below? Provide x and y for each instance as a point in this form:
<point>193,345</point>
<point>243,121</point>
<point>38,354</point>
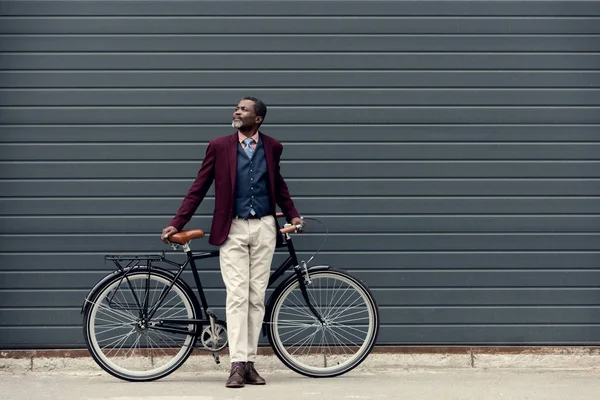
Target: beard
<point>236,123</point>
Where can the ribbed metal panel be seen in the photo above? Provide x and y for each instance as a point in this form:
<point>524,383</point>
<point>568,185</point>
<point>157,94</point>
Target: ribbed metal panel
<point>452,147</point>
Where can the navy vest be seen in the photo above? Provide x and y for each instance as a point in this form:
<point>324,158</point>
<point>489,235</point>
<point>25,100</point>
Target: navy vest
<point>251,184</point>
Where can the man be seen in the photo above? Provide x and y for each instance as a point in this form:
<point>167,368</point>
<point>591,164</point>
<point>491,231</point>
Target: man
<point>248,186</point>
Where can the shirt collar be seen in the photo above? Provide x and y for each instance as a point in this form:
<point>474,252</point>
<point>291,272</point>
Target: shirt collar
<point>242,137</point>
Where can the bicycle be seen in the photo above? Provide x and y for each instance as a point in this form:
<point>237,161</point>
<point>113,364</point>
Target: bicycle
<point>142,322</point>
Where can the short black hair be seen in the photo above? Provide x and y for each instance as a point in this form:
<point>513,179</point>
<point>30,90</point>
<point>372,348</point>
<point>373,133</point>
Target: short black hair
<point>260,108</point>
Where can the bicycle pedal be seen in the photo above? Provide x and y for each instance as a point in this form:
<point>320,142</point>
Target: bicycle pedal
<point>216,357</point>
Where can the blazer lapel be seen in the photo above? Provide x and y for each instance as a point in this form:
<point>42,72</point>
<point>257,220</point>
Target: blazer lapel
<point>232,148</point>
<point>269,160</point>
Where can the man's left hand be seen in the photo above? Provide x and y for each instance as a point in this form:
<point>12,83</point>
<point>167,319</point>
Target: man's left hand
<point>298,221</point>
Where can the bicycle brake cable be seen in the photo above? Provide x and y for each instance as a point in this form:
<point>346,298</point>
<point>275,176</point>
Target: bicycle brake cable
<point>324,241</point>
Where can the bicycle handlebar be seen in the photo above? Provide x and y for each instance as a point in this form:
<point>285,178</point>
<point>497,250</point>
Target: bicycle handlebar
<point>186,236</point>
<point>291,229</point>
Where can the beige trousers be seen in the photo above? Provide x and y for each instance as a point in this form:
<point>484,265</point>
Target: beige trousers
<point>245,260</point>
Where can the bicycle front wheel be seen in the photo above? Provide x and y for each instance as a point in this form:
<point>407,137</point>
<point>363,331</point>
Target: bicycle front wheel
<point>123,341</point>
<point>336,345</point>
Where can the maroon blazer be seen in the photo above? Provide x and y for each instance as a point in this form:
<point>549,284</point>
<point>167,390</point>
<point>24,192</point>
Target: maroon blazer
<point>220,166</point>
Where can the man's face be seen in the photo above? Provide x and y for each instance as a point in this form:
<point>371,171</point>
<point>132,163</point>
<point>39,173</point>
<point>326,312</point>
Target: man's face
<point>244,116</point>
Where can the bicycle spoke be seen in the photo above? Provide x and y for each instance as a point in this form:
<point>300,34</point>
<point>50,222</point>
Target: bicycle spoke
<point>344,337</point>
<point>110,329</point>
<point>322,342</point>
<point>114,314</point>
<point>121,341</point>
<point>320,302</point>
<point>334,294</point>
<point>295,331</point>
<point>298,345</point>
<point>294,312</point>
<point>314,302</point>
<point>157,346</point>
<point>364,332</point>
<point>300,310</point>
<point>150,350</point>
<point>113,323</point>
<point>338,301</point>
<point>154,291</point>
<point>121,313</point>
<point>164,336</point>
<point>342,346</point>
<point>132,349</point>
<point>178,314</point>
<point>349,308</point>
<point>351,311</point>
<point>299,331</point>
<point>167,310</point>
<point>301,304</point>
<point>125,302</point>
<point>326,342</point>
<point>290,323</point>
<point>312,341</point>
<point>362,308</point>
<point>344,321</point>
<point>116,339</point>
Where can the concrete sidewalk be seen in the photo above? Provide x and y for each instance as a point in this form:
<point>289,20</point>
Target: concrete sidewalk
<point>396,383</point>
<point>406,373</point>
<point>382,358</point>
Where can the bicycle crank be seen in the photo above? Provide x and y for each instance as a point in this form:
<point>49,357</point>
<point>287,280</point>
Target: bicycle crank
<point>214,339</point>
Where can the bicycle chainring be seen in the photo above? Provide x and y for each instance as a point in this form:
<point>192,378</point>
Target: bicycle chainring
<point>215,342</point>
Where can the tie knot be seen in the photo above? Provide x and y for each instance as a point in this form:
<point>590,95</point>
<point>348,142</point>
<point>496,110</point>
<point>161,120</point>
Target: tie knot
<point>248,141</point>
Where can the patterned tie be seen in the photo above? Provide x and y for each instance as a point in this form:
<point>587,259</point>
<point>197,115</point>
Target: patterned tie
<point>249,150</point>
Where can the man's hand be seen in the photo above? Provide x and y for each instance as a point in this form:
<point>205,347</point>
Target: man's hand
<point>298,221</point>
<point>168,232</point>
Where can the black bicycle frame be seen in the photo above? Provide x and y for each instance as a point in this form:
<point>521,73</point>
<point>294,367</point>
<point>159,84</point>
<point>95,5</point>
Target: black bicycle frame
<point>290,261</point>
<point>161,323</point>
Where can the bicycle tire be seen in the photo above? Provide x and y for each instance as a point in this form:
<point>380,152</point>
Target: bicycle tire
<point>339,345</point>
<point>114,301</point>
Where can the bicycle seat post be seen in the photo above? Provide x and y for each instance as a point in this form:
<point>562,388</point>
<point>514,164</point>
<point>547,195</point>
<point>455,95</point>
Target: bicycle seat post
<point>185,247</point>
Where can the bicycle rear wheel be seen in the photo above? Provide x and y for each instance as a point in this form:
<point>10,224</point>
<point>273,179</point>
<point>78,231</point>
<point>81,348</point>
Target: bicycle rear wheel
<point>342,342</point>
<point>123,341</point>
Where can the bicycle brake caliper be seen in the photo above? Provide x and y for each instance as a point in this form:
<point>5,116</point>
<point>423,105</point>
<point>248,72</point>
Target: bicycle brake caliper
<point>305,273</point>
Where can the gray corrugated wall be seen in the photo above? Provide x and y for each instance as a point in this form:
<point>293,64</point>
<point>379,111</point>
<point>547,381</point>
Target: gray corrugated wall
<point>452,147</point>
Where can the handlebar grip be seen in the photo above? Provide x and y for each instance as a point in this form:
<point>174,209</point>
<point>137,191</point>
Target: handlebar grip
<point>290,229</point>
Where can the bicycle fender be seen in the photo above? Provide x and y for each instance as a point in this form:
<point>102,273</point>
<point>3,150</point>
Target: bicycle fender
<point>92,293</point>
<point>279,288</point>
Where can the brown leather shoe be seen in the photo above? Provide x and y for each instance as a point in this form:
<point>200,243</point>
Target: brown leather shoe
<point>252,377</point>
<point>236,377</point>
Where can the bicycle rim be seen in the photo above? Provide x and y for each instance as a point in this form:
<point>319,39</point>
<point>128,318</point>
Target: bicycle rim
<point>315,349</point>
<point>121,344</point>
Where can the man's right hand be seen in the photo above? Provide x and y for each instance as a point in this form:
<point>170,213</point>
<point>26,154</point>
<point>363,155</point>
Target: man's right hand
<point>168,232</point>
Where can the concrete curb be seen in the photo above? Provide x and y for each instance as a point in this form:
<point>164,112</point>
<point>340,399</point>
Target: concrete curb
<point>381,358</point>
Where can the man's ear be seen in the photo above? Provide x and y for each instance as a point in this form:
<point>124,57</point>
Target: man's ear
<point>258,119</point>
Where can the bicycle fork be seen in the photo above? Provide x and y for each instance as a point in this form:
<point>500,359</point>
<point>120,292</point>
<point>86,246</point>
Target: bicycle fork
<point>304,281</point>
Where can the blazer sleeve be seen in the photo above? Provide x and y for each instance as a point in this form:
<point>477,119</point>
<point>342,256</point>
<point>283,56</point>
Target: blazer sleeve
<point>197,191</point>
<point>282,193</point>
